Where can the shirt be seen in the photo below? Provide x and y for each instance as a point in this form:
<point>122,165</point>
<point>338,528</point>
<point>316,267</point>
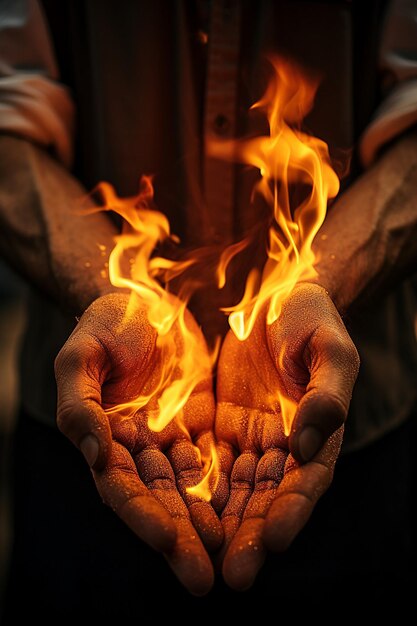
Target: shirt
<point>151,82</point>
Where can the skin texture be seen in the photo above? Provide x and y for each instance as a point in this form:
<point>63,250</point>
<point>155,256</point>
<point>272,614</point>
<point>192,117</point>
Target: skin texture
<point>377,215</point>
<point>55,249</point>
<point>142,475</point>
<point>44,235</point>
<point>270,494</point>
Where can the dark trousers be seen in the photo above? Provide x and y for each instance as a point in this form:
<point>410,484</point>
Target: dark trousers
<point>72,557</point>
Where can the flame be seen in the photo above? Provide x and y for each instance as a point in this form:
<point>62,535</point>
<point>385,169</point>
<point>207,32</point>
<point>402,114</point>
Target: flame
<point>183,364</point>
<point>285,157</point>
<point>211,471</point>
<point>226,256</point>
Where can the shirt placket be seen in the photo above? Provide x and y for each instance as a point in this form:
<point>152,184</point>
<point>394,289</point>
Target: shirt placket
<point>220,114</point>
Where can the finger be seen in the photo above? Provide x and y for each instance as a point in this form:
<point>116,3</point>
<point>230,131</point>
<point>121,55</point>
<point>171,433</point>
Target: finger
<point>333,363</point>
<point>242,482</point>
<point>78,369</point>
<point>186,462</point>
<point>230,421</point>
<point>226,457</point>
<point>297,495</point>
<point>187,557</point>
<point>189,560</point>
<point>121,488</point>
<point>246,553</point>
<point>199,411</point>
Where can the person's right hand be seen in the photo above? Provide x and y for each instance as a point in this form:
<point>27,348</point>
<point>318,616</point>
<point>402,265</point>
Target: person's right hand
<point>141,474</point>
<point>275,479</point>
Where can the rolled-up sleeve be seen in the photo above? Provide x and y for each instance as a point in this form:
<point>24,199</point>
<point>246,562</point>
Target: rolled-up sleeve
<point>33,104</point>
<point>398,59</point>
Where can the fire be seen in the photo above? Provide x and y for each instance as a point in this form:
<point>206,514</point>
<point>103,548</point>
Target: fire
<point>211,470</point>
<point>132,266</point>
<point>285,157</point>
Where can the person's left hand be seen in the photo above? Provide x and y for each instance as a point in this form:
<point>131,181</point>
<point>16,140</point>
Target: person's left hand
<point>275,480</point>
<point>142,474</point>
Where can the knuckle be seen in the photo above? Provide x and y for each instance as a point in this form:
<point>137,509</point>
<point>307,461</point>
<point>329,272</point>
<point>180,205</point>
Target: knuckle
<point>66,416</point>
<point>335,409</point>
<point>76,416</point>
<point>340,349</point>
<point>325,408</point>
<point>354,357</point>
<point>69,357</point>
<point>349,352</point>
<point>60,360</point>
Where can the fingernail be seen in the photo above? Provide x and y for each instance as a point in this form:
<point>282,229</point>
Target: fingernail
<point>310,440</point>
<point>90,448</point>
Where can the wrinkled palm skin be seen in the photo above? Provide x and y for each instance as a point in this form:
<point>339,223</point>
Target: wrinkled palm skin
<point>308,356</point>
<point>141,474</point>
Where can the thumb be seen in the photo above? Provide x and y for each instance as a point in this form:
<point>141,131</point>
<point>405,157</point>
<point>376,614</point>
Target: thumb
<point>333,364</point>
<point>80,415</point>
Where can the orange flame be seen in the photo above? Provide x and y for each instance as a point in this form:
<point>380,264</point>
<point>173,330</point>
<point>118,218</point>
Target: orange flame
<point>284,157</point>
<point>184,366</point>
<point>208,484</point>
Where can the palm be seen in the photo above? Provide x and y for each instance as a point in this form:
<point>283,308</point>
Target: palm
<point>146,469</point>
<point>271,494</point>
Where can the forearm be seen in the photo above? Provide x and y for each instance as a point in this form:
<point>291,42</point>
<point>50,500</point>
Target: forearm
<point>369,238</point>
<point>42,235</point>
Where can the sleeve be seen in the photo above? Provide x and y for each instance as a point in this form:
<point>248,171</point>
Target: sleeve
<point>398,62</point>
<point>33,104</point>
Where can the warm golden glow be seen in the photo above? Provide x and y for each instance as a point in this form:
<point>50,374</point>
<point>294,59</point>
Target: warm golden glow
<point>285,157</point>
<point>205,487</point>
<point>183,364</point>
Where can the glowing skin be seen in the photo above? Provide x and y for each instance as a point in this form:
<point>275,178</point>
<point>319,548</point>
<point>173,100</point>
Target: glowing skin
<point>142,474</point>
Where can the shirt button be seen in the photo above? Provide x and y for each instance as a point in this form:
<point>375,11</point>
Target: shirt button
<point>202,37</point>
<point>221,124</point>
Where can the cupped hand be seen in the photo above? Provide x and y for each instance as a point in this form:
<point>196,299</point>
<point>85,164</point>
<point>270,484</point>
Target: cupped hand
<point>143,475</point>
<point>276,480</point>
